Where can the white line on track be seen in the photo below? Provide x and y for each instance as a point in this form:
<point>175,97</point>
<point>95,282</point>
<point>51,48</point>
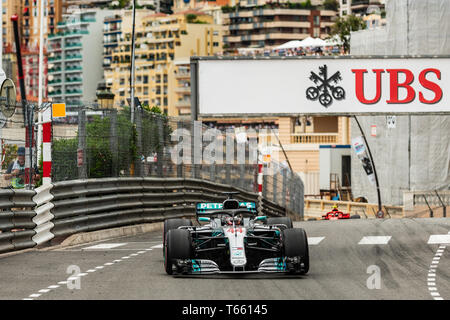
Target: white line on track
<point>439,239</point>
<point>105,246</point>
<point>77,276</point>
<point>375,240</point>
<point>312,241</point>
<point>431,280</point>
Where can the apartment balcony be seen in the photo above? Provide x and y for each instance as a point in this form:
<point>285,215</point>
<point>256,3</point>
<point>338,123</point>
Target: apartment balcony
<point>55,36</point>
<point>183,75</point>
<point>56,82</point>
<point>183,103</point>
<point>272,24</point>
<point>74,45</point>
<point>74,92</point>
<point>74,80</point>
<point>56,93</point>
<point>54,59</point>
<point>316,138</point>
<point>74,57</point>
<point>73,69</point>
<point>54,71</point>
<point>75,33</point>
<point>183,89</point>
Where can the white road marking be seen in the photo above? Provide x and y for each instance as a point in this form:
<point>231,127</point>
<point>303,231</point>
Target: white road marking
<point>439,238</point>
<point>375,240</point>
<point>431,280</point>
<point>77,276</point>
<point>158,246</point>
<point>105,246</point>
<point>435,294</point>
<point>312,241</point>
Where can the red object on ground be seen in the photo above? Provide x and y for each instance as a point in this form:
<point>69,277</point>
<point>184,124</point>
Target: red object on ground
<point>335,215</point>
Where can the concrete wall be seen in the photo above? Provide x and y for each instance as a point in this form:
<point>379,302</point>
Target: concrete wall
<point>416,154</point>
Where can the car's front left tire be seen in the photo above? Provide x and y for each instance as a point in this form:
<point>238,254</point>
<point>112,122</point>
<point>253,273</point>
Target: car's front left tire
<point>178,245</point>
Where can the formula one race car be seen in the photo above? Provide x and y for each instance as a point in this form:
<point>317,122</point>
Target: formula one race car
<point>335,214</point>
<point>234,240</point>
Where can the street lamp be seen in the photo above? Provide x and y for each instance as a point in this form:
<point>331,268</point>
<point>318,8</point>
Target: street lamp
<point>105,98</point>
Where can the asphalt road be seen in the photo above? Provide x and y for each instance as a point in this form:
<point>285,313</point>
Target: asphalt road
<point>352,259</point>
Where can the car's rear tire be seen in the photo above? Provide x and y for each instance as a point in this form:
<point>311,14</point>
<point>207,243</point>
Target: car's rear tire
<point>178,245</point>
<point>355,216</point>
<point>295,244</point>
<point>170,224</point>
<point>280,220</point>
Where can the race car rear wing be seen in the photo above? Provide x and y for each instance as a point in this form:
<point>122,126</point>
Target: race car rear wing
<point>212,207</point>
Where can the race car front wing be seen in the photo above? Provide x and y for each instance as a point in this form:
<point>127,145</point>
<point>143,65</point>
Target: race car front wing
<point>271,265</point>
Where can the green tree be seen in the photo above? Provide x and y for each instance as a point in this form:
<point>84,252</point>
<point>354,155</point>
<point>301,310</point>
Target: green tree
<point>331,5</point>
<point>98,152</point>
<point>344,25</point>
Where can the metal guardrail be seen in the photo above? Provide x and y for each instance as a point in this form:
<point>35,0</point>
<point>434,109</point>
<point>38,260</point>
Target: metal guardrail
<point>16,219</point>
<point>94,204</point>
<point>33,217</point>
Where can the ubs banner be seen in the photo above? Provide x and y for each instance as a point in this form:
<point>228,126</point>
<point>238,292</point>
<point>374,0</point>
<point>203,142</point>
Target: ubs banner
<point>342,85</point>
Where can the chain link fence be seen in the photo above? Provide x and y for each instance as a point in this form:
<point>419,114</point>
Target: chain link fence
<point>94,143</point>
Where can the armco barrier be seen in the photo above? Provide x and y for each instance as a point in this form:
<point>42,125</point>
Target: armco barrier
<point>29,218</point>
<point>94,204</point>
<point>16,219</point>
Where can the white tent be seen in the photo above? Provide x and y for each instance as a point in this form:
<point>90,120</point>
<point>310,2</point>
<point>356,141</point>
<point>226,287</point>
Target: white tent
<point>312,42</point>
<point>290,45</point>
<point>333,41</point>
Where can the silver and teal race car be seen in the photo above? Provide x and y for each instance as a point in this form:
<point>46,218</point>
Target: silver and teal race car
<point>231,238</point>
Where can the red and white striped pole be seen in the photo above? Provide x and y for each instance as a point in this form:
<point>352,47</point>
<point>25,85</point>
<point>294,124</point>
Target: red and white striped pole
<point>260,178</point>
<point>47,146</point>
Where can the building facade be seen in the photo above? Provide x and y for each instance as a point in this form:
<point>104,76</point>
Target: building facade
<point>273,26</point>
<point>76,57</point>
<point>164,44</point>
<point>360,7</point>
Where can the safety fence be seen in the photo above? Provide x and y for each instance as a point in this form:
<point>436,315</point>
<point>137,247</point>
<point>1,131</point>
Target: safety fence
<point>33,217</point>
<point>16,220</point>
<point>97,143</point>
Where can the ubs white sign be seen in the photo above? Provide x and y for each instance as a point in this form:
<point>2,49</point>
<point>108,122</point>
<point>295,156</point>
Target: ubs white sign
<point>329,86</point>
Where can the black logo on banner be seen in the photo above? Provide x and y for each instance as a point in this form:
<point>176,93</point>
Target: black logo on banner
<point>325,90</point>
